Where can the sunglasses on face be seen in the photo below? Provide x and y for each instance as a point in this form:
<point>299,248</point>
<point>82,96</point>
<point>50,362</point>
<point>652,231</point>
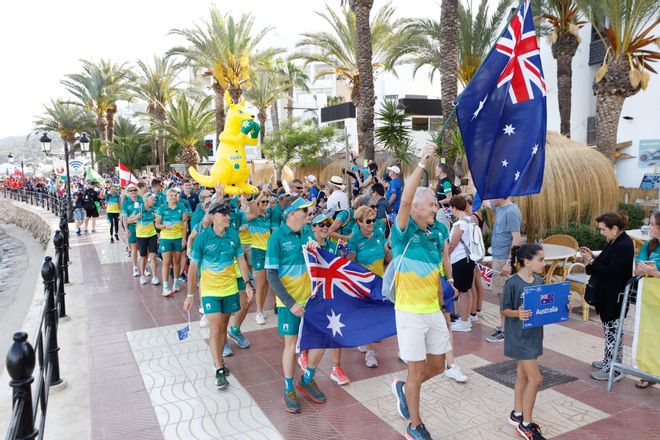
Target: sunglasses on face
<point>370,221</point>
<point>264,202</point>
<point>132,190</point>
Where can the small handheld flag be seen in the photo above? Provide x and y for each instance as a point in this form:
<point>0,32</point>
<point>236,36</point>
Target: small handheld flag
<point>183,333</point>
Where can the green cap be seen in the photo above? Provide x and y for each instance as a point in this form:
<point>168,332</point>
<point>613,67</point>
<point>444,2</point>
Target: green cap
<point>297,204</point>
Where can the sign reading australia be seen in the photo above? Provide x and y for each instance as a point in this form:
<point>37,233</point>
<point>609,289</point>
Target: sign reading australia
<point>548,304</point>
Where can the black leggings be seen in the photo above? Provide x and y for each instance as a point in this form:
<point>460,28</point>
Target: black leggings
<point>113,218</point>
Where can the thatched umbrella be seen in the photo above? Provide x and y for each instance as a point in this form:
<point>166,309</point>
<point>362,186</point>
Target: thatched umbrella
<point>579,183</point>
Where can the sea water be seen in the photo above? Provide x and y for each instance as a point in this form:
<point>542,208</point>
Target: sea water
<point>13,262</point>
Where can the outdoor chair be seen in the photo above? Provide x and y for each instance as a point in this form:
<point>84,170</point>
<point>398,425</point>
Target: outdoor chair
<point>560,269</point>
<point>578,278</point>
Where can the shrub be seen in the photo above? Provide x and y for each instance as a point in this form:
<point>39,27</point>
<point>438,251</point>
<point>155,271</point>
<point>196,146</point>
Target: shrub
<point>636,215</point>
<point>584,234</point>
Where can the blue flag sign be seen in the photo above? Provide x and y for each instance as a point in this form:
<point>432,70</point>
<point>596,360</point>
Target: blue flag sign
<point>346,309</point>
<point>183,333</point>
<point>502,114</point>
<point>548,303</point>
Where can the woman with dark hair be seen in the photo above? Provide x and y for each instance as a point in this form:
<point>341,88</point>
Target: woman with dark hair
<point>461,264</point>
<point>648,264</point>
<point>610,272</point>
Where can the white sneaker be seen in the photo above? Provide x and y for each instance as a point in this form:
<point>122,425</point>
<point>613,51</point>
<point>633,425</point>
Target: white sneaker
<point>136,272</point>
<point>147,272</point>
<point>461,326</point>
<point>155,281</point>
<point>166,290</point>
<point>473,318</point>
<point>201,310</point>
<point>370,359</point>
<point>260,318</point>
<point>143,280</point>
<point>362,348</point>
<point>203,322</point>
<point>455,373</point>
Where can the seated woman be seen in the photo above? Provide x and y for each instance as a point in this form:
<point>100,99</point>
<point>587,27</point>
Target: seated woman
<point>648,265</point>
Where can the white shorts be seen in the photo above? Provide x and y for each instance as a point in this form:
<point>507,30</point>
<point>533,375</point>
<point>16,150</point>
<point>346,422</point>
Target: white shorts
<point>420,334</point>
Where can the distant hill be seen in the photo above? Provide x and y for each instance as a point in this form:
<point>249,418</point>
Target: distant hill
<point>28,150</point>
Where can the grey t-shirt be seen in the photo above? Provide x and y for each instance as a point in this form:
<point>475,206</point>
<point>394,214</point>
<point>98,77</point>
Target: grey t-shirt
<point>507,220</point>
<point>520,343</point>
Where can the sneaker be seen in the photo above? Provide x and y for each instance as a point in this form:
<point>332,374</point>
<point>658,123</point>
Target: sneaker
<point>166,291</point>
<point>455,372</point>
<point>461,326</point>
<point>112,240</point>
<point>203,322</point>
<point>602,375</point>
<point>147,272</point>
<point>175,285</point>
<point>86,231</point>
<point>221,381</point>
<point>290,402</point>
<point>454,317</point>
<point>201,310</point>
<point>155,281</point>
<point>93,231</point>
<point>339,376</point>
<point>514,419</point>
<point>302,360</point>
<point>143,280</point>
<point>530,432</point>
<point>183,278</point>
<point>370,359</point>
<point>235,334</point>
<point>498,336</point>
<point>419,433</point>
<point>401,403</point>
<point>78,232</point>
<point>310,390</point>
<point>598,364</point>
<point>473,318</point>
<point>260,318</point>
<point>362,348</point>
<point>226,351</point>
<point>136,272</point>
<point>117,237</point>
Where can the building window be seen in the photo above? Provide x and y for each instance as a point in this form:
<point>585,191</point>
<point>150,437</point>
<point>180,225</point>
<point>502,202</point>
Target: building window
<point>338,125</point>
<point>597,48</point>
<point>420,124</point>
<point>435,124</point>
<point>591,131</point>
<point>391,97</point>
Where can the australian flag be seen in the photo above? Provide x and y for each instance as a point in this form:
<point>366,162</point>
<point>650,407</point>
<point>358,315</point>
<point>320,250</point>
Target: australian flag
<point>346,308</point>
<point>502,114</point>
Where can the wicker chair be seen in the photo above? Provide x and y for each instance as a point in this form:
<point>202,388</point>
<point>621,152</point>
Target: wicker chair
<point>578,278</point>
<point>561,267</point>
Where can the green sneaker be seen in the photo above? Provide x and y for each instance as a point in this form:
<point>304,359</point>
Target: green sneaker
<point>310,390</point>
<point>235,335</point>
<point>221,381</point>
<point>291,403</point>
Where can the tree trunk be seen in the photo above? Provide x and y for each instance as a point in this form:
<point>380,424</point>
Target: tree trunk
<point>262,121</point>
<point>362,9</point>
<point>219,110</point>
<point>235,93</point>
<point>110,117</point>
<point>448,66</point>
<point>563,51</point>
<point>162,152</point>
<point>275,116</point>
<point>289,104</point>
<point>608,112</point>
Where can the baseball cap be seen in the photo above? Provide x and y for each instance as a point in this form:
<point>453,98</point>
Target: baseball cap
<point>219,208</point>
<point>311,178</point>
<point>321,217</point>
<point>297,204</point>
<point>394,168</point>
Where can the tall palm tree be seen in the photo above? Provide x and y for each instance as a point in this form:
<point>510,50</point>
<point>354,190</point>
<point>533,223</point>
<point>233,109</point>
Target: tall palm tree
<point>187,122</point>
<point>68,120</point>
<point>627,30</point>
<point>448,45</point>
<point>264,92</point>
<point>131,146</point>
<point>292,77</point>
<point>339,50</point>
<point>156,84</point>
<point>226,49</point>
<point>563,21</point>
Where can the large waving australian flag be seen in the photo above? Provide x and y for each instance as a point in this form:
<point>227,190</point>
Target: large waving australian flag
<point>502,114</point>
<point>346,308</point>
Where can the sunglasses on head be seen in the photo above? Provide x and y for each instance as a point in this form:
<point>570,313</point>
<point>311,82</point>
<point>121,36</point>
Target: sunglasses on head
<point>370,221</point>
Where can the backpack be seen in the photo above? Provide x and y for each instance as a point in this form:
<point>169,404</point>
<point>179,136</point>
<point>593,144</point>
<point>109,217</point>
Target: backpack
<point>476,251</point>
<point>88,200</point>
<point>388,287</point>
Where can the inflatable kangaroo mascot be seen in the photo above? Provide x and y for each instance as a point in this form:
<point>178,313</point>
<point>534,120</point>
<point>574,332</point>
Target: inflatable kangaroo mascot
<point>230,167</point>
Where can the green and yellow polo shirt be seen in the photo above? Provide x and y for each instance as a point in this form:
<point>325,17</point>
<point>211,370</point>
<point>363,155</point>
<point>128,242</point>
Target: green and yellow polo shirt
<point>419,274</point>
<point>260,230</point>
<point>285,254</point>
<point>370,252</point>
<point>129,207</point>
<point>244,234</point>
<point>174,219</point>
<point>112,203</point>
<point>161,199</point>
<point>145,225</point>
<point>216,256</point>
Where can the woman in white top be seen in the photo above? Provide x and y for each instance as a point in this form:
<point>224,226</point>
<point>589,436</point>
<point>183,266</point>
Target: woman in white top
<point>462,266</point>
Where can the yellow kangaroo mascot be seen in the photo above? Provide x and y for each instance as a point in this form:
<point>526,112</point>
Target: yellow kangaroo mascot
<point>230,167</point>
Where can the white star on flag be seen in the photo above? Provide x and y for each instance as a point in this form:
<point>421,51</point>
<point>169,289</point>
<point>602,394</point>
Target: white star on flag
<point>478,110</point>
<point>335,323</point>
<point>505,163</point>
<point>535,149</point>
<point>517,176</point>
<point>509,129</point>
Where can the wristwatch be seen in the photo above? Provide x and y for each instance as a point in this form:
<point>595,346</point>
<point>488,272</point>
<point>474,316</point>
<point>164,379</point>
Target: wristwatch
<point>443,307</point>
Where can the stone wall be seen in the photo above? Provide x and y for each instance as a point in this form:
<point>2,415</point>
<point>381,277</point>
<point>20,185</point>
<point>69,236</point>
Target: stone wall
<point>28,220</point>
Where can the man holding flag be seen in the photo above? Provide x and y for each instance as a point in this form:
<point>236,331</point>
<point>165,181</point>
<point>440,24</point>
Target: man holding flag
<point>420,323</point>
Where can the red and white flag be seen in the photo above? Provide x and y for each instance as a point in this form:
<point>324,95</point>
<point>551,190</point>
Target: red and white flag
<point>125,176</point>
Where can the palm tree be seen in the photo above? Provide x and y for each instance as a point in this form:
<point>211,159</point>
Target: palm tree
<point>563,23</point>
<point>68,120</point>
<point>627,30</point>
<point>340,50</point>
<point>131,147</point>
<point>156,84</point>
<point>392,131</point>
<point>292,77</point>
<point>227,50</point>
<point>187,122</point>
<point>263,94</point>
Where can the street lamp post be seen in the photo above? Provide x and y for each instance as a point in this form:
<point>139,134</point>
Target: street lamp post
<point>45,147</point>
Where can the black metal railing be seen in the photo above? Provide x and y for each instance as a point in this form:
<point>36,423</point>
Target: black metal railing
<point>46,200</point>
<point>30,405</point>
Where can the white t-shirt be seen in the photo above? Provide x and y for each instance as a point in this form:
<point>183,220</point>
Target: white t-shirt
<point>459,252</point>
<point>338,200</point>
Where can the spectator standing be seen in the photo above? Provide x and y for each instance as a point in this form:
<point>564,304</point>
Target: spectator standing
<point>338,199</point>
<point>394,188</point>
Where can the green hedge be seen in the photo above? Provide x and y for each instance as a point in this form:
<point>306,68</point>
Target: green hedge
<point>585,235</point>
<point>636,215</point>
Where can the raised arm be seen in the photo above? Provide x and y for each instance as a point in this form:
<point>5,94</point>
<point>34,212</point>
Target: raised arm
<point>411,186</point>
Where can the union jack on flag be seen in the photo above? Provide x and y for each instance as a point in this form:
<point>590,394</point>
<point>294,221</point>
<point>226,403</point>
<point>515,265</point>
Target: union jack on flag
<point>486,273</point>
<point>331,274</point>
<point>343,248</point>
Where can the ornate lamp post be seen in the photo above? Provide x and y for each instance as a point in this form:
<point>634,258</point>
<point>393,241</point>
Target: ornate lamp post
<point>45,147</point>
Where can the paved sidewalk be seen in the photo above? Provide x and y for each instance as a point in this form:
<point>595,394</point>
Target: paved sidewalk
<point>145,384</point>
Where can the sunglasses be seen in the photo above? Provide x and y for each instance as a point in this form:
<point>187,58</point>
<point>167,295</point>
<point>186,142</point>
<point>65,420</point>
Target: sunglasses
<point>369,221</point>
<point>323,225</point>
<point>132,190</point>
<point>264,202</point>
